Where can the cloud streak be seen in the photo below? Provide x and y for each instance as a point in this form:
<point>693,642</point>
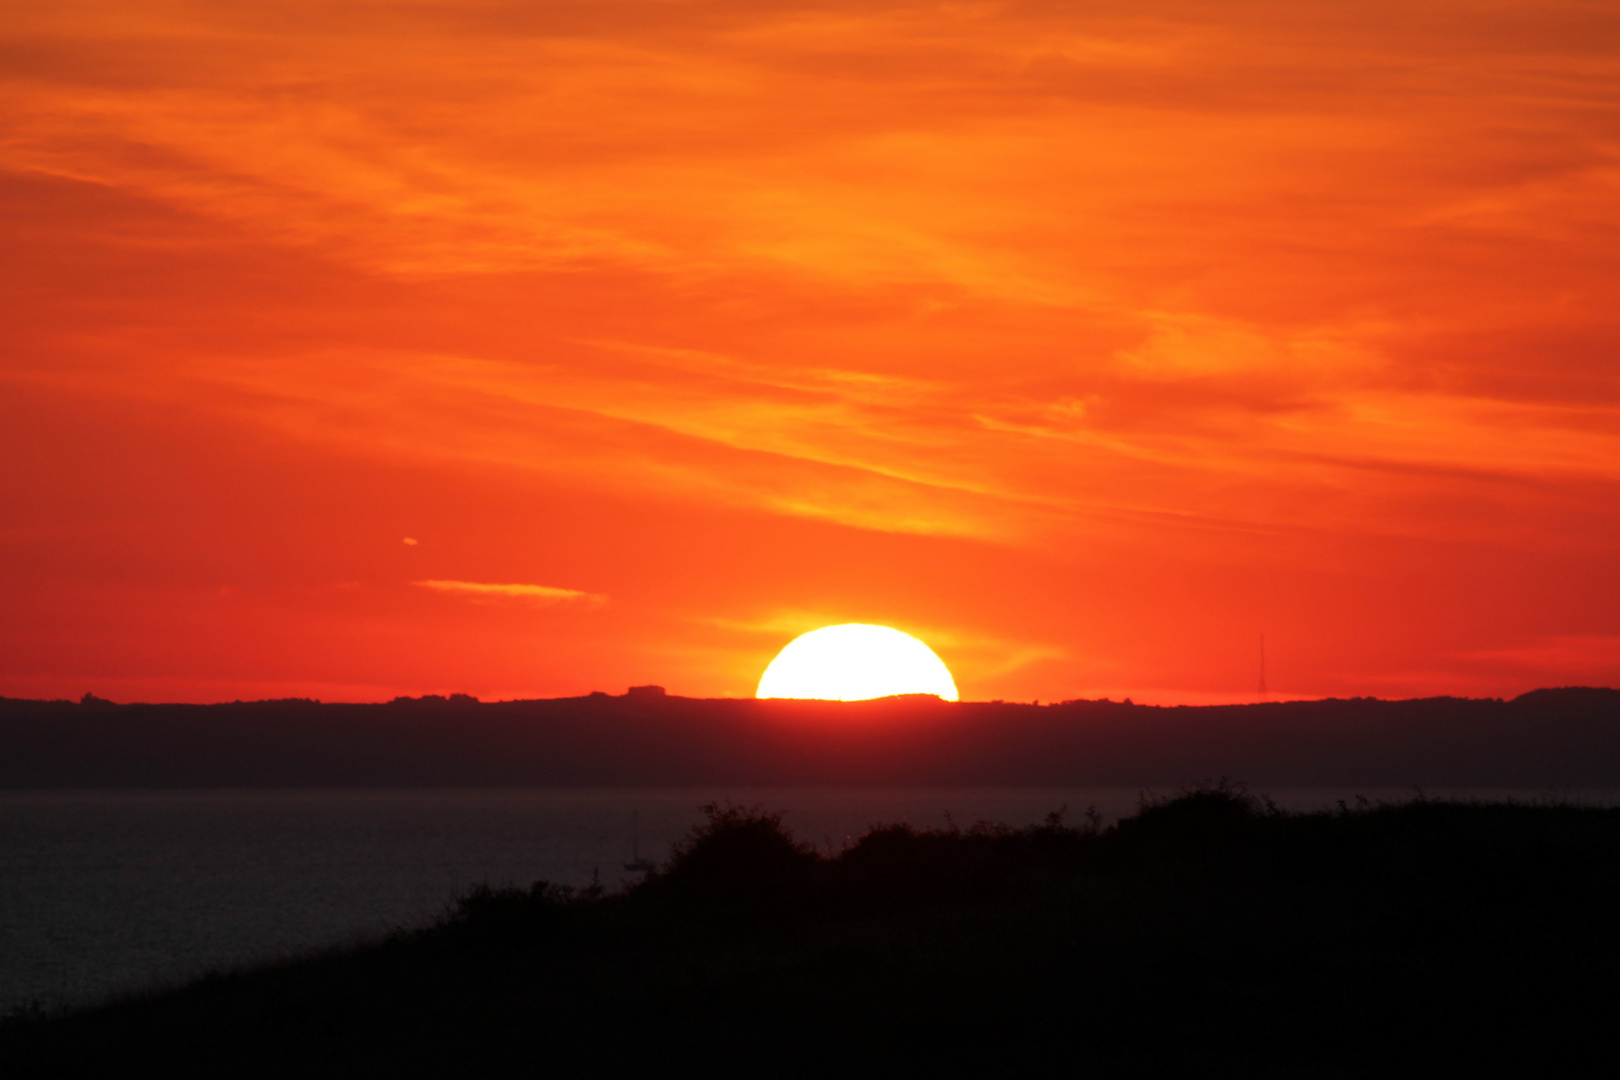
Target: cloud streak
<point>543,595</point>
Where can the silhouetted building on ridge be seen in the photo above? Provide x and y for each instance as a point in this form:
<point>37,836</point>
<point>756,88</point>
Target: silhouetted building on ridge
<point>643,692</point>
<point>436,699</point>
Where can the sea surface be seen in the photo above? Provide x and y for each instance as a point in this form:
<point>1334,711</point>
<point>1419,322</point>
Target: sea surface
<point>108,893</point>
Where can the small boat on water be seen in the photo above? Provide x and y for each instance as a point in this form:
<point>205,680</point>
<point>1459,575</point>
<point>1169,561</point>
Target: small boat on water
<point>637,865</point>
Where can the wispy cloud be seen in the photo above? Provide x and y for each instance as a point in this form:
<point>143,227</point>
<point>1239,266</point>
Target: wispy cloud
<point>936,269</point>
<point>1560,656</point>
<point>547,595</point>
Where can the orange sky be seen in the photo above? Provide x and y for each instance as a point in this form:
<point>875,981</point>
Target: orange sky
<point>1086,342</point>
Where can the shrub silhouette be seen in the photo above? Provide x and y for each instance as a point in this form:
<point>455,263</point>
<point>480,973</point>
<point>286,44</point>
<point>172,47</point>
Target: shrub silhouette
<point>1193,824</point>
<point>741,865</point>
<point>501,916</point>
<point>737,845</point>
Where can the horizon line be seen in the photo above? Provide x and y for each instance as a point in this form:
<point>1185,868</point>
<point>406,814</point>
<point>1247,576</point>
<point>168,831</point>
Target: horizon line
<point>651,694</point>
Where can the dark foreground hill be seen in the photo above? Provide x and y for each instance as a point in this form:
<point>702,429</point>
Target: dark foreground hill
<point>1565,738</point>
<point>1206,936</point>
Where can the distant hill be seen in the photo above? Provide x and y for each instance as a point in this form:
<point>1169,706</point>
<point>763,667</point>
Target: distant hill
<point>1564,738</point>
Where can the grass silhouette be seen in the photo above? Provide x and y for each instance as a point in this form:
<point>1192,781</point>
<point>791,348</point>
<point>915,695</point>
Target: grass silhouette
<point>1209,934</point>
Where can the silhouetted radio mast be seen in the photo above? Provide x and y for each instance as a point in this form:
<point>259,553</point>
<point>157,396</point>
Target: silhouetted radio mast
<point>1262,665</point>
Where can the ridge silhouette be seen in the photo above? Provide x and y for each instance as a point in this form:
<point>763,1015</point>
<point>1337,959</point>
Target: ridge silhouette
<point>1210,934</point>
<point>1567,737</point>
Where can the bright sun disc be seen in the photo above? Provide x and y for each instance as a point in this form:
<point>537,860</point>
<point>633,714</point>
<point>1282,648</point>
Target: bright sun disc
<point>854,662</point>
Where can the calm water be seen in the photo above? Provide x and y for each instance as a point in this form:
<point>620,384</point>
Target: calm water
<point>107,892</point>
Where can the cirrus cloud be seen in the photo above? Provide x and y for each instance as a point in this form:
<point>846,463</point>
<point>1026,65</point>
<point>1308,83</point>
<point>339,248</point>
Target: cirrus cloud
<point>548,595</point>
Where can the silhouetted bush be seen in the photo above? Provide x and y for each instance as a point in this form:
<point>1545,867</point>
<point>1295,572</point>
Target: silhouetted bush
<point>505,915</point>
<point>741,866</point>
<point>738,846</point>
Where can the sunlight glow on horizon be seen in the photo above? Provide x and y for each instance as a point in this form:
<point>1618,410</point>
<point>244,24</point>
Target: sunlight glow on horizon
<point>856,662</point>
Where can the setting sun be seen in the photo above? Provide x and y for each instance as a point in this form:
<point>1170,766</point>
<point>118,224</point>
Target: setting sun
<point>854,662</point>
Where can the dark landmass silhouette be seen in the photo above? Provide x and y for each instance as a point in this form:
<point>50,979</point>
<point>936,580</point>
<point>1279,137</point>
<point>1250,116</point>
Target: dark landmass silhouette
<point>1566,737</point>
<point>1209,935</point>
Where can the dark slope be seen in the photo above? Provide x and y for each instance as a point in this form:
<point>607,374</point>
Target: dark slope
<point>1206,936</point>
<point>1568,737</point>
